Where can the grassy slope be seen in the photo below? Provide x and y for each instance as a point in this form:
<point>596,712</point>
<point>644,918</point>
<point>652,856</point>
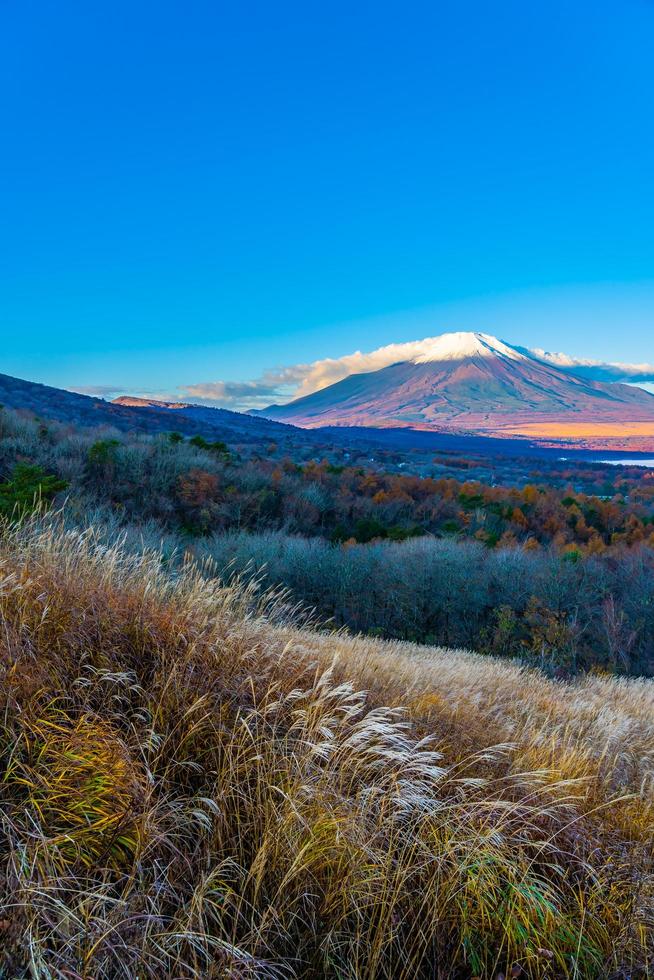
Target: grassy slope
<point>193,789</point>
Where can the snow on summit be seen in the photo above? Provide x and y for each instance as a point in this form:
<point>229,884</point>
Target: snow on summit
<point>460,345</point>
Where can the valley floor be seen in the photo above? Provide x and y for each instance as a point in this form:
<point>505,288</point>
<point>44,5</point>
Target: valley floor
<point>194,787</point>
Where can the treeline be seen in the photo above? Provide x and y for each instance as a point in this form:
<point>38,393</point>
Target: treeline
<point>201,487</point>
<point>561,615</point>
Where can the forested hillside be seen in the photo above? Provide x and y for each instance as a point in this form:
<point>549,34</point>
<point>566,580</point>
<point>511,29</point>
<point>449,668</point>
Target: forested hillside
<point>549,572</point>
<point>72,408</point>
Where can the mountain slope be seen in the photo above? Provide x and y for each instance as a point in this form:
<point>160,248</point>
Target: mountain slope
<point>471,382</point>
<point>135,414</point>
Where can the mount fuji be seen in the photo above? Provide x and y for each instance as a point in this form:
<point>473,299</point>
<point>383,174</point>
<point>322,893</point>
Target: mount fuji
<point>475,383</point>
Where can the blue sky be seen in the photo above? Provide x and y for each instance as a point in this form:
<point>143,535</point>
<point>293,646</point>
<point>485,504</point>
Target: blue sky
<point>202,192</point>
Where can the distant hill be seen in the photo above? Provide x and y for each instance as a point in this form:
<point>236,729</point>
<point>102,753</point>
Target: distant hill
<point>133,414</point>
<point>476,384</point>
<point>235,425</point>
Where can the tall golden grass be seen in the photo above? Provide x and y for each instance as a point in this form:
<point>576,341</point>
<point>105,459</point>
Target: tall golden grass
<point>192,787</point>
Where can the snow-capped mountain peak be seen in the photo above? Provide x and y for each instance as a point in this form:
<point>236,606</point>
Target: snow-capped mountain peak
<point>470,382</point>
<point>462,344</point>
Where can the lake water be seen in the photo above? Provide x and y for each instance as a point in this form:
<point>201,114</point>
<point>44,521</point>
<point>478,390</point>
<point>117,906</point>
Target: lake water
<point>649,463</point>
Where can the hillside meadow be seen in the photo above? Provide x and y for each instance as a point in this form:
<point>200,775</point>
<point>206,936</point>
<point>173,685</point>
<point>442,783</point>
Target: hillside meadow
<point>195,786</point>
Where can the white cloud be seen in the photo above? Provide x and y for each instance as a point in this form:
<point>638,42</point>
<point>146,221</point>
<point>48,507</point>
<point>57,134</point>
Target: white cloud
<point>297,380</point>
<point>226,391</point>
<point>596,370</point>
<point>258,393</point>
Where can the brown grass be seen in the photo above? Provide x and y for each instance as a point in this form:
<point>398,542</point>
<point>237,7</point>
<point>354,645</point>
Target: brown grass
<point>193,788</point>
<point>572,430</point>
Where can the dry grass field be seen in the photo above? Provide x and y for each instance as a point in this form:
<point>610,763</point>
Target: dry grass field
<point>193,787</point>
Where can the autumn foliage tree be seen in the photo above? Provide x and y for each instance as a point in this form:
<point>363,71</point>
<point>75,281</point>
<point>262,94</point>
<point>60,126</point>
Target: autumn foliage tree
<point>197,496</point>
